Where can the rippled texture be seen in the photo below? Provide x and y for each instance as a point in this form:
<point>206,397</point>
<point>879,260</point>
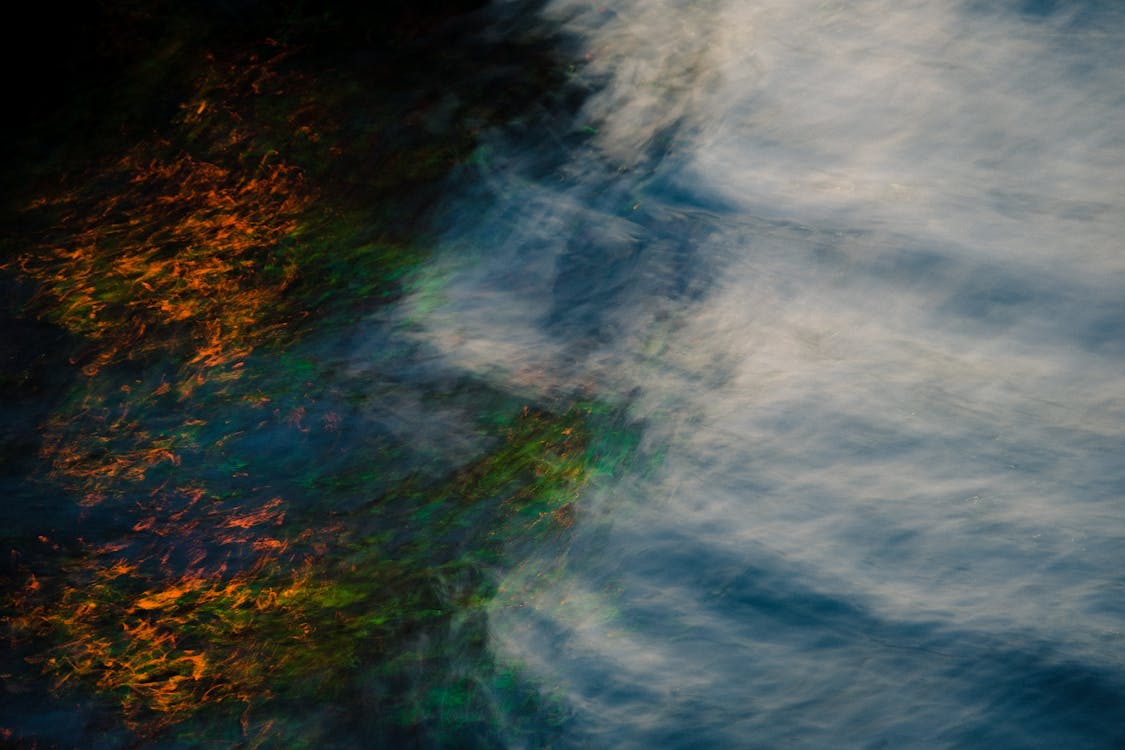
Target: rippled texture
<point>862,266</point>
<point>644,374</point>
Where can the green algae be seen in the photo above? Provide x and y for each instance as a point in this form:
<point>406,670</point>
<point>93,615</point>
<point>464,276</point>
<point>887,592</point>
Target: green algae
<point>255,559</point>
<point>373,595</point>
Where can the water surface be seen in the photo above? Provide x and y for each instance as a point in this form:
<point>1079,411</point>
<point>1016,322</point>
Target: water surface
<point>750,375</point>
<point>859,267</point>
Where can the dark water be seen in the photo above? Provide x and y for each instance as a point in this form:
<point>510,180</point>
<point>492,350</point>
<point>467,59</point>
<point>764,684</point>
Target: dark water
<point>736,375</point>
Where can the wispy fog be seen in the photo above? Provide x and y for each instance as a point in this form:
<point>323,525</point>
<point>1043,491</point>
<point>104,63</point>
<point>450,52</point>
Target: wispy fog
<point>860,268</point>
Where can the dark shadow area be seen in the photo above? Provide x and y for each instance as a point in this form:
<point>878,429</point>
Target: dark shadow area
<point>202,202</point>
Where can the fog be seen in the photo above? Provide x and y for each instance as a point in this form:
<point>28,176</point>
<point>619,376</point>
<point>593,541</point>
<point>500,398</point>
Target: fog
<point>858,269</point>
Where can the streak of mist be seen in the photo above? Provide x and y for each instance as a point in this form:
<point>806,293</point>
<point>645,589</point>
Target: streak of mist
<point>859,268</point>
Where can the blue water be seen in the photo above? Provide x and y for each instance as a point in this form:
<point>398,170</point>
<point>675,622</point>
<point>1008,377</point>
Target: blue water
<point>858,268</point>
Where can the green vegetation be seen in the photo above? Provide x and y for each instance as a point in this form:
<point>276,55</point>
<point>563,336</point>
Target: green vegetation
<point>334,615</point>
<point>258,553</point>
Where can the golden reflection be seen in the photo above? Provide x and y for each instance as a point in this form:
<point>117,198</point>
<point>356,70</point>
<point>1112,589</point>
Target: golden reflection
<point>174,250</point>
<point>173,263</point>
<point>182,249</point>
<point>258,608</point>
<point>166,650</point>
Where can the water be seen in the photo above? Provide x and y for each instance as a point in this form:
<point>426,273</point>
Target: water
<point>860,266</point>
<point>852,275</point>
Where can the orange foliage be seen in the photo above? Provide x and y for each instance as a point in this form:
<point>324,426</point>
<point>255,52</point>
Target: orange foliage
<point>172,250</point>
<point>178,248</point>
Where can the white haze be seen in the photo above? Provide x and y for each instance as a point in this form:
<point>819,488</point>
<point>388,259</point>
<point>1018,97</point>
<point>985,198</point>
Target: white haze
<point>901,384</point>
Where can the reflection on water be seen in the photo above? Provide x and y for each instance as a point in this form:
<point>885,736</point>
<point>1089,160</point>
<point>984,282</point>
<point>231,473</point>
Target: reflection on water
<point>716,375</point>
<point>245,526</point>
<point>859,266</point>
